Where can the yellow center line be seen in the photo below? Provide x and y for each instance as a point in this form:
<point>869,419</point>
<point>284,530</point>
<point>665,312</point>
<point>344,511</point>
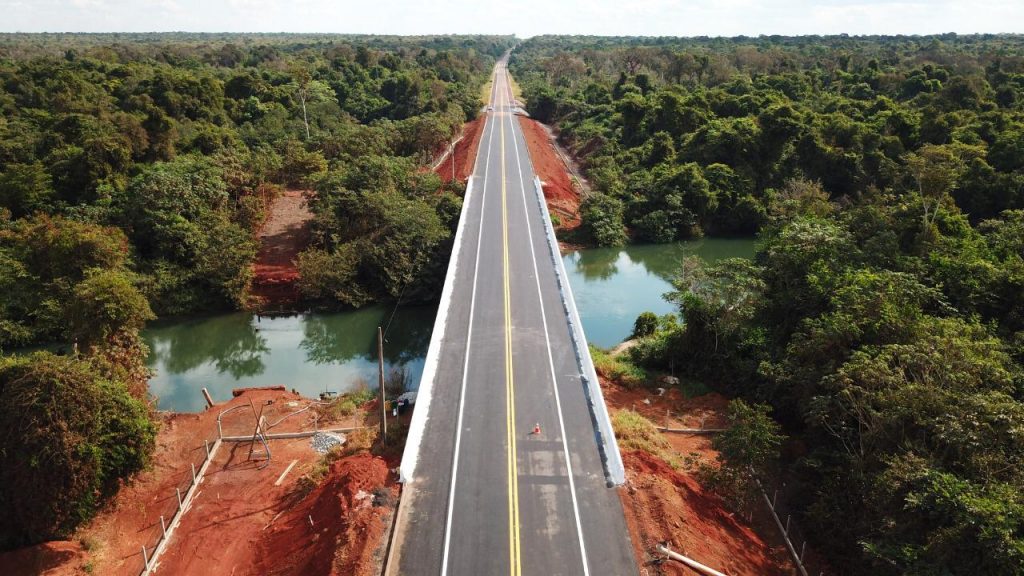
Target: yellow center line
<point>510,426</point>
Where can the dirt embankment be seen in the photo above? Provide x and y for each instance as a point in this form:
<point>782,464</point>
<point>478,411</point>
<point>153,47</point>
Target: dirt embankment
<point>338,529</point>
<point>284,234</point>
<point>663,504</point>
<point>244,519</point>
<point>464,156</point>
<point>563,199</point>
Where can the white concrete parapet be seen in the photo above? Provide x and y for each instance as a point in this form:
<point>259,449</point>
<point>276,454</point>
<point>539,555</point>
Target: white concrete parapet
<point>614,470</point>
<point>418,424</point>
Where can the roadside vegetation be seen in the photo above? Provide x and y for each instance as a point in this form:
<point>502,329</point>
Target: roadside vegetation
<point>135,170</point>
<point>881,319</point>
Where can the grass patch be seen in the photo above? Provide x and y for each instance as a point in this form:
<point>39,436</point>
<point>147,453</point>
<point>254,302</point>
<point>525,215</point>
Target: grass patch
<point>356,441</point>
<point>517,92</point>
<point>485,92</point>
<point>618,369</point>
<point>634,432</point>
<point>346,404</point>
<point>90,543</point>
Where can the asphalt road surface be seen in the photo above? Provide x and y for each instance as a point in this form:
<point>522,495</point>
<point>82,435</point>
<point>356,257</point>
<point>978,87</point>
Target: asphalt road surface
<point>490,495</point>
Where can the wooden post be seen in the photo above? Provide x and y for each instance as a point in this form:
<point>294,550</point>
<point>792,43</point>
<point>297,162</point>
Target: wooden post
<point>209,400</point>
<point>380,367</point>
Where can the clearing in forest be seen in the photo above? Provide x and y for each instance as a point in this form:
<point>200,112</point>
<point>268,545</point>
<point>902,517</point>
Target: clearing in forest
<point>284,234</point>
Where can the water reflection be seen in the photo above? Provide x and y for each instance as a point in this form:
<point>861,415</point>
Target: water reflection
<point>597,263</point>
<point>231,342</point>
<point>612,286</point>
<point>312,353</point>
<point>333,339</point>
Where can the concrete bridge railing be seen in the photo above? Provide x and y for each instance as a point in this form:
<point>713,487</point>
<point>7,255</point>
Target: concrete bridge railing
<point>614,470</point>
<point>424,394</point>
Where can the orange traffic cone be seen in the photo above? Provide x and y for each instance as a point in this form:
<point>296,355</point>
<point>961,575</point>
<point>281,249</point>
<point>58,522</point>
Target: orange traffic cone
<point>536,429</point>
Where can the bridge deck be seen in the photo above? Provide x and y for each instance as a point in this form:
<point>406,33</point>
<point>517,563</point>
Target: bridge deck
<point>486,494</point>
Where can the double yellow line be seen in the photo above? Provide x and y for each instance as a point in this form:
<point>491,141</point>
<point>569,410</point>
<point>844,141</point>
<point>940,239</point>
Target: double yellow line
<point>510,396</point>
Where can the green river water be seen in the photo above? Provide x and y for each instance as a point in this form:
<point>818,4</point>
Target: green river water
<point>335,352</point>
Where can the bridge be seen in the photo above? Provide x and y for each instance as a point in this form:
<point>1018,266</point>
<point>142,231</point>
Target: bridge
<point>510,465</point>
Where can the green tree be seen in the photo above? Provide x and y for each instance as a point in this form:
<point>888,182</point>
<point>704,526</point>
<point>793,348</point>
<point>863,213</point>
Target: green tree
<point>602,220</point>
<point>68,437</point>
<point>746,449</point>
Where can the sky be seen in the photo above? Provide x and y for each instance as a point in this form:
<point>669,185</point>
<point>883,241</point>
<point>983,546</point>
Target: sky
<point>524,18</point>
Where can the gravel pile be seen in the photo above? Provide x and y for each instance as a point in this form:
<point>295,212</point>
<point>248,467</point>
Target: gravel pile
<point>324,441</point>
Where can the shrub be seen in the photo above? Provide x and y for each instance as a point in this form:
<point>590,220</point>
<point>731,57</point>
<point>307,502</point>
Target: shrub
<point>68,437</point>
<point>645,325</point>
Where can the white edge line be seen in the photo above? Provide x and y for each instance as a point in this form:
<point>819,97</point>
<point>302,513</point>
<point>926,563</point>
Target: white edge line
<point>465,366</point>
<point>614,467</point>
<point>551,361</point>
<point>424,394</point>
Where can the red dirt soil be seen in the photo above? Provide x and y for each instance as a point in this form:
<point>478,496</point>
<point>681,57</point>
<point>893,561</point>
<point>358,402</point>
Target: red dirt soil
<point>132,519</point>
<point>357,491</point>
<point>58,558</point>
<point>284,234</point>
<point>562,198</point>
<point>663,505</point>
<point>465,153</point>
<point>666,505</point>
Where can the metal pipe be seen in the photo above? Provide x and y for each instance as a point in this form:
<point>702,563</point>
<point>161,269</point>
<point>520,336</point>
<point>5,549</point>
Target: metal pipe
<point>290,414</point>
<point>785,536</point>
<point>689,562</point>
<point>691,430</point>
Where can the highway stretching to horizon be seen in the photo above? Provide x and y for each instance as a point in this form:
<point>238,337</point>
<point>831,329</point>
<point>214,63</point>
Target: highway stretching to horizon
<point>491,494</point>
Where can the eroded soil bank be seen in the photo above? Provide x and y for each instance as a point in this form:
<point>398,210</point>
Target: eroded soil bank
<point>562,197</point>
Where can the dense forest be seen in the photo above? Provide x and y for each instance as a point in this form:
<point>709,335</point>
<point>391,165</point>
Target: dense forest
<point>135,170</point>
<point>882,318</point>
<point>686,137</point>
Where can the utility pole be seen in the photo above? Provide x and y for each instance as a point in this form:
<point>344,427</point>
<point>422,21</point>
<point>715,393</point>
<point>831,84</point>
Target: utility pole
<point>380,367</point>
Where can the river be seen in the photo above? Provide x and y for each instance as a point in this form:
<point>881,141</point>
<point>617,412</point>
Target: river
<point>311,353</point>
<point>336,351</point>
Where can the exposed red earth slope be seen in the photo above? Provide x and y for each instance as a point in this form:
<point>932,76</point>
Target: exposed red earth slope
<point>285,233</point>
<point>663,504</point>
<point>232,519</point>
<point>465,153</point>
<point>563,200</point>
